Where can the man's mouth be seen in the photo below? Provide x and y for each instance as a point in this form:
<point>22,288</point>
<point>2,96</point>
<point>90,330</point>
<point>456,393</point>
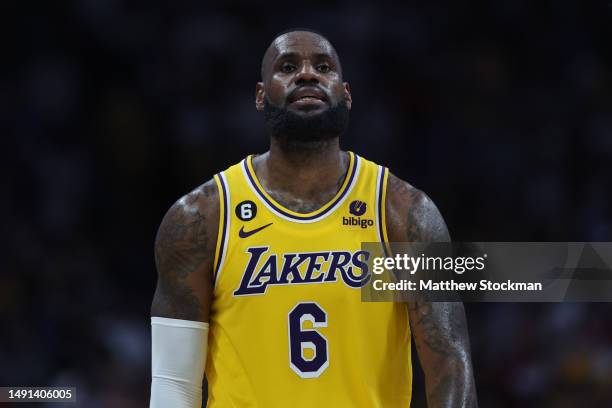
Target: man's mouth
<point>307,94</point>
<point>307,99</point>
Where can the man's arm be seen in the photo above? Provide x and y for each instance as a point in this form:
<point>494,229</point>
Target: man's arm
<point>184,255</point>
<point>439,328</point>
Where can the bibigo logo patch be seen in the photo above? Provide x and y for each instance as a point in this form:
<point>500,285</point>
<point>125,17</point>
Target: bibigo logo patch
<point>357,208</point>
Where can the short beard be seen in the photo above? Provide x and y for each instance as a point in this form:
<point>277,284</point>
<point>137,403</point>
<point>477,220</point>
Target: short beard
<point>293,129</point>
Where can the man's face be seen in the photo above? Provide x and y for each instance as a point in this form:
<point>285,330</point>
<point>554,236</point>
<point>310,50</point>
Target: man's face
<point>301,72</point>
<point>302,87</point>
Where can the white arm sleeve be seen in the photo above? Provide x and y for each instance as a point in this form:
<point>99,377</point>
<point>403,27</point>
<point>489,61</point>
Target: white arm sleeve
<point>178,357</point>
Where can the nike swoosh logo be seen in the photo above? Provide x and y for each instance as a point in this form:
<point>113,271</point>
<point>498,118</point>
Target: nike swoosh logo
<point>244,234</point>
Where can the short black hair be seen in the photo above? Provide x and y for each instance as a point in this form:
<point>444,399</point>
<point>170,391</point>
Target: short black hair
<point>291,30</point>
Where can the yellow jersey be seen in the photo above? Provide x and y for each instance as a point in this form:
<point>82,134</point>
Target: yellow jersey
<point>287,326</point>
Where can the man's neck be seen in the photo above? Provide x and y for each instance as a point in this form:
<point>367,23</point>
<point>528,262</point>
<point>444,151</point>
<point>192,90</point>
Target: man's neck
<point>302,176</point>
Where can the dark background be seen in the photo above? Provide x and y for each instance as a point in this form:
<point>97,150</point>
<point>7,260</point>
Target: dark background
<point>111,110</point>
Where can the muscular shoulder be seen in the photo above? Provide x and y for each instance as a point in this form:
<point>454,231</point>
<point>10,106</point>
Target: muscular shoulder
<point>411,215</point>
<point>192,217</point>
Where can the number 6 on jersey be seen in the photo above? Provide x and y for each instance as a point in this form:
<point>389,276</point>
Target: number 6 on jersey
<point>301,339</point>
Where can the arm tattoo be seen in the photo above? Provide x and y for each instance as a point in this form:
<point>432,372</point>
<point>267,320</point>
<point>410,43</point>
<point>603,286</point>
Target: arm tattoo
<point>439,328</point>
<point>414,230</point>
<point>424,221</point>
<point>183,248</point>
<point>443,347</point>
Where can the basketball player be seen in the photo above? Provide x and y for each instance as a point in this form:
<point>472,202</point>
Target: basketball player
<point>260,268</point>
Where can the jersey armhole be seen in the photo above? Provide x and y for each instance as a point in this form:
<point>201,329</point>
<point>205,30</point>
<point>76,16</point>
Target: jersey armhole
<point>222,232</point>
<point>381,199</point>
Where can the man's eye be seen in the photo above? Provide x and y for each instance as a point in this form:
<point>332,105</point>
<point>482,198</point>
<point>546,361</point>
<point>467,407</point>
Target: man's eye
<point>287,68</point>
<point>323,68</point>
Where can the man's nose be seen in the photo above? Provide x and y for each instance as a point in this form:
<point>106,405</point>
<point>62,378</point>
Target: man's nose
<point>307,73</point>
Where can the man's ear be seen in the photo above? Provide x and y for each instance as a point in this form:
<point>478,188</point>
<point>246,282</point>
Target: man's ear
<point>347,95</point>
<point>259,96</point>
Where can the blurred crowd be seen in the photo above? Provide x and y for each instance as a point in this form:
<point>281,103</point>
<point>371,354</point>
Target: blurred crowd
<point>500,110</point>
